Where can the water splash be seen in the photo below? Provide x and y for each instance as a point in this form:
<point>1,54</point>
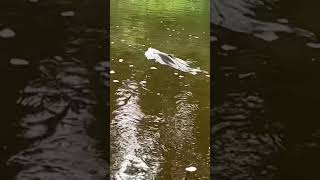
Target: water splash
<point>170,60</point>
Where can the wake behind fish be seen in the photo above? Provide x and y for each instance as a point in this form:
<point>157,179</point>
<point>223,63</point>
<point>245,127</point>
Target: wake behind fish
<point>170,60</point>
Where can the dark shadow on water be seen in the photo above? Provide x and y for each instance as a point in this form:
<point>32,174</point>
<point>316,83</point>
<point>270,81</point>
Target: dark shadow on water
<point>55,90</point>
<point>265,93</point>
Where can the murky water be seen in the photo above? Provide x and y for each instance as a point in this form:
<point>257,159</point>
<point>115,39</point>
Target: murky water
<point>54,81</point>
<point>265,61</point>
<point>160,115</point>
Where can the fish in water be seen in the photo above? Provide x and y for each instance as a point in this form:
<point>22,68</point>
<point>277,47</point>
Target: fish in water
<point>170,60</point>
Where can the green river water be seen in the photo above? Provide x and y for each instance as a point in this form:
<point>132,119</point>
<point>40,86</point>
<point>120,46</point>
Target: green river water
<point>160,116</point>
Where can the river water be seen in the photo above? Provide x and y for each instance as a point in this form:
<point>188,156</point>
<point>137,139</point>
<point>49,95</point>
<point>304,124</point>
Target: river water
<point>265,66</point>
<point>54,90</point>
<point>159,115</point>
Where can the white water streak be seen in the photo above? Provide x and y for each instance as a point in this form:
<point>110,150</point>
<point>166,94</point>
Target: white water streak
<point>130,157</point>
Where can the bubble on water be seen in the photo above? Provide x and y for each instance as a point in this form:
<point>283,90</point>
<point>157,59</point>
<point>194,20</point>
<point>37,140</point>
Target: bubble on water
<point>227,47</point>
<point>175,74</point>
<point>283,20</point>
<point>112,42</point>
<point>267,36</point>
<point>153,67</point>
<point>181,76</point>
<point>17,61</point>
<point>168,29</point>
<point>112,72</point>
<point>115,81</point>
<point>131,65</point>
<point>208,75</point>
<point>158,94</point>
<point>59,58</point>
<point>213,38</point>
<point>7,33</point>
<point>191,169</point>
<point>170,35</point>
<point>67,13</point>
<point>120,60</point>
<point>196,37</point>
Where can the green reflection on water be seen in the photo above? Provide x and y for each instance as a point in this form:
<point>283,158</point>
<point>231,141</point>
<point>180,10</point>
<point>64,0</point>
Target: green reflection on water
<point>160,120</point>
